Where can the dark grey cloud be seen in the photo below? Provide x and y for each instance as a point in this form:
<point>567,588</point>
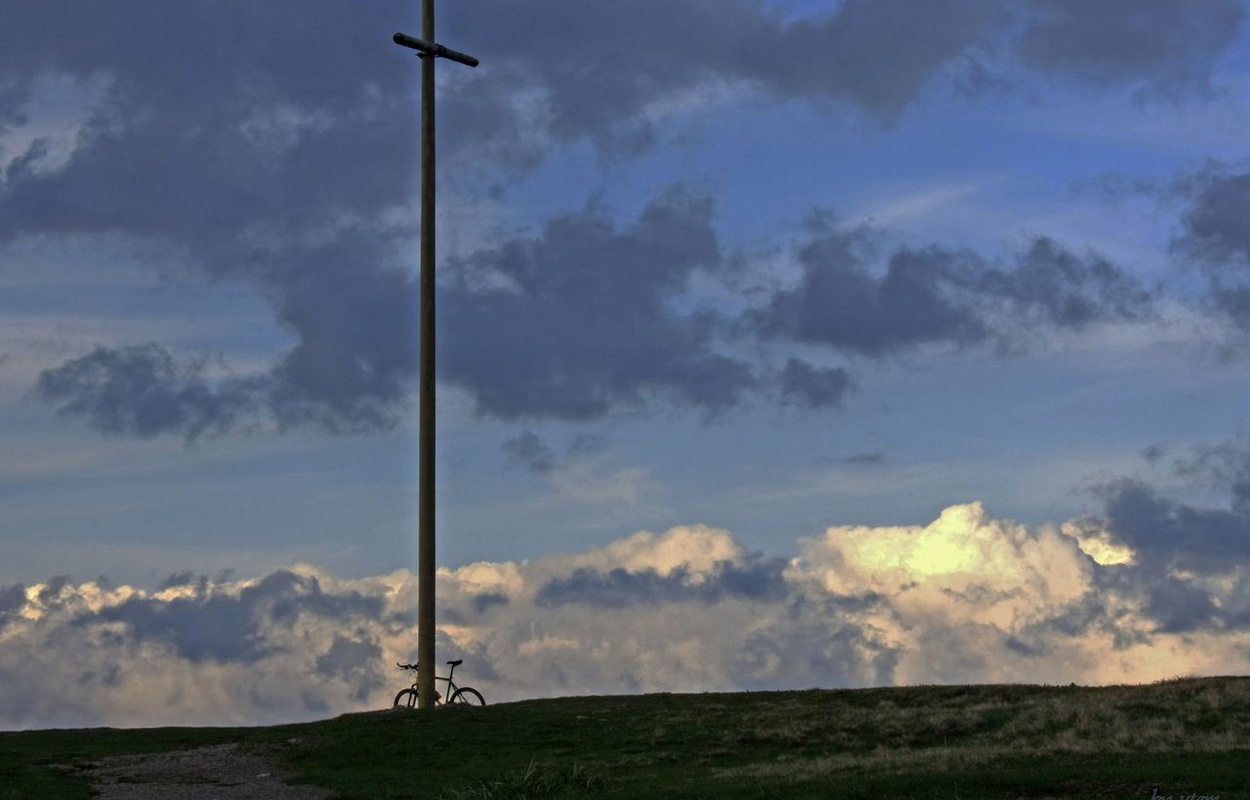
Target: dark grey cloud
<point>587,444</point>
<point>1171,47</point>
<point>1031,649</point>
<point>12,599</point>
<point>840,302</point>
<point>210,625</point>
<point>577,321</point>
<point>355,662</point>
<point>342,377</point>
<point>1177,545</point>
<point>758,579</point>
<point>866,459</point>
<point>1114,188</point>
<point>50,593</point>
<point>1179,606</point>
<point>201,628</point>
<point>1221,467</point>
<point>286,595</point>
<point>531,452</point>
<point>486,600</point>
<point>843,653</point>
<point>184,578</point>
<point>351,371</point>
<point>615,62</point>
<point>1054,286</point>
<point>1215,235</point>
<point>355,363</point>
<point>1078,617</point>
<point>941,296</point>
<point>258,148</point>
<point>142,391</point>
<point>1171,531</point>
<point>1216,226</point>
<point>240,123</point>
<point>190,578</point>
<point>814,387</point>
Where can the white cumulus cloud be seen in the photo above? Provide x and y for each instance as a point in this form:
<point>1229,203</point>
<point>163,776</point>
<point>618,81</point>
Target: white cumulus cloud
<point>964,599</point>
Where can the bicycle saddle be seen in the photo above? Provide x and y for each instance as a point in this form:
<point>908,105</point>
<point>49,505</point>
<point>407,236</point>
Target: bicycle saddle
<point>455,663</point>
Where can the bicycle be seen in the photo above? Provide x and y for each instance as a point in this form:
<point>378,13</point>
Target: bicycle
<point>458,695</point>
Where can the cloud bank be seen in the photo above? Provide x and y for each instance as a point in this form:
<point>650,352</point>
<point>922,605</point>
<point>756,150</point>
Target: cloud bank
<point>266,152</point>
<point>858,303</point>
<point>964,599</point>
<point>609,83</point>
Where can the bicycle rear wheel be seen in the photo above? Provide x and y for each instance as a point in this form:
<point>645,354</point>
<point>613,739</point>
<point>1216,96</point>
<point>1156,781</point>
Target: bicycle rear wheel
<point>468,697</point>
<point>407,698</point>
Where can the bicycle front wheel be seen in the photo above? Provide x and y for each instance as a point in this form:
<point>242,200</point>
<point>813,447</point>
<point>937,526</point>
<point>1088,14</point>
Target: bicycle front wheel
<point>407,698</point>
<point>467,697</point>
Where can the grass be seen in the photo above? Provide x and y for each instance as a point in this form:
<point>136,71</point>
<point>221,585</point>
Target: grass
<point>1178,738</point>
<point>535,781</point>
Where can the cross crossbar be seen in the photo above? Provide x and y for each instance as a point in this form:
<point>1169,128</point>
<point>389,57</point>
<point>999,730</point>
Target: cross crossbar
<point>433,49</point>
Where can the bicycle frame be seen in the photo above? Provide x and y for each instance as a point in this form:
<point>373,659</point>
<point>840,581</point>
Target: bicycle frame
<point>451,687</point>
<point>455,695</point>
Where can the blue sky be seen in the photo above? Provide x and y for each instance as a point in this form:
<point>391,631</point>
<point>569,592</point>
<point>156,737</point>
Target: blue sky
<point>773,277</point>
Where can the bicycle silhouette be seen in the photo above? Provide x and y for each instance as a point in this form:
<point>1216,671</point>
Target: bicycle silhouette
<point>457,695</point>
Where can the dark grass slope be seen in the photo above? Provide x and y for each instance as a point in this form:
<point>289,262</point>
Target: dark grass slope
<point>1177,738</point>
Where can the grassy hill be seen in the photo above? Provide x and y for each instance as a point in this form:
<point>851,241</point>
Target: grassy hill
<point>1176,738</point>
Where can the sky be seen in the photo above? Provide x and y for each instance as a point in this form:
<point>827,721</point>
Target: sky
<point>781,344</point>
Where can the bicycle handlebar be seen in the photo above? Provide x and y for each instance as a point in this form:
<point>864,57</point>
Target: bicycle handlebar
<point>452,664</point>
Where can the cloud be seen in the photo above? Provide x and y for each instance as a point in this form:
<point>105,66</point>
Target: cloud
<point>865,459</point>
<point>814,387</point>
<point>208,625</point>
<point>223,149</point>
<point>141,391</point>
<point>1188,561</point>
<point>1157,526</point>
<point>531,452</point>
<point>1171,47</point>
<point>620,588</point>
<point>575,322</point>
<point>1215,227</point>
<point>584,474</point>
<point>1053,286</point>
<point>606,81</point>
<point>1215,235</point>
<point>351,371</point>
<point>616,66</point>
<point>935,295</point>
<point>1168,533</point>
<point>12,600</point>
<point>964,599</point>
<point>355,663</point>
<point>202,651</point>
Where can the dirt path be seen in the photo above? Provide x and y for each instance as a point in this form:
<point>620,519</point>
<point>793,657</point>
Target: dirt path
<point>221,772</point>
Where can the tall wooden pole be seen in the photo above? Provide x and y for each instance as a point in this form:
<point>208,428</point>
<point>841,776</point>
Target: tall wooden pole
<point>429,50</point>
<point>425,461</point>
